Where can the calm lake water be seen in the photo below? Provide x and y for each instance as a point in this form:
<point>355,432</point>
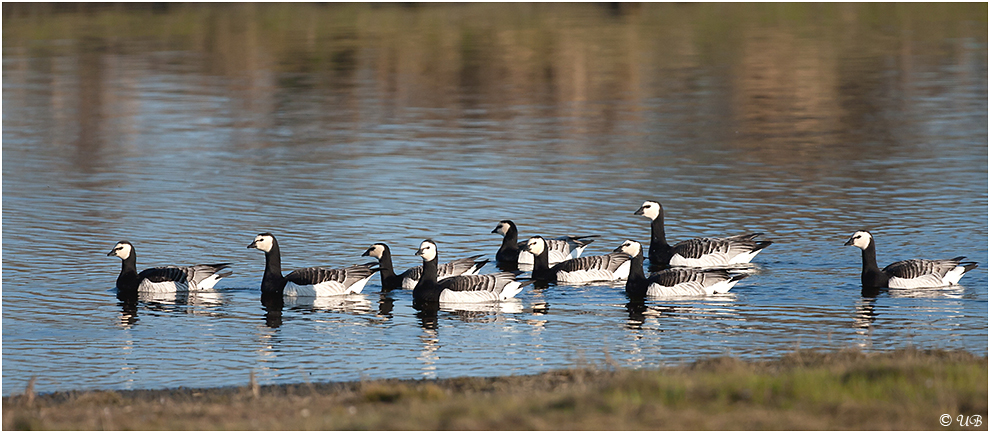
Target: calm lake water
<point>189,129</point>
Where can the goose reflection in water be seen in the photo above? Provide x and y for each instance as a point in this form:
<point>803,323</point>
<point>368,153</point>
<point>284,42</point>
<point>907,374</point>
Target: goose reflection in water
<point>640,310</point>
<point>197,303</point>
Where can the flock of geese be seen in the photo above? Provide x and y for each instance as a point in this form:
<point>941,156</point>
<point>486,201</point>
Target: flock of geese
<point>694,267</point>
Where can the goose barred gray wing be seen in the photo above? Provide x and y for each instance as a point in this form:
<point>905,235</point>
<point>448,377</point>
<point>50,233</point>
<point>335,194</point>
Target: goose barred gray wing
<point>479,288</point>
<point>690,282</point>
<point>609,267</point>
<point>915,273</point>
<point>316,275</point>
<point>181,277</point>
<point>559,249</point>
<point>466,266</point>
<point>328,282</point>
<point>916,268</point>
<point>709,252</point>
<point>609,262</point>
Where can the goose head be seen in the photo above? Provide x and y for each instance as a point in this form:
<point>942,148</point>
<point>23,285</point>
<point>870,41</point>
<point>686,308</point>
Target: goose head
<point>536,245</point>
<point>649,209</point>
<point>376,251</point>
<point>263,242</point>
<point>503,227</point>
<point>860,239</point>
<point>123,249</point>
<point>630,247</point>
<point>427,250</point>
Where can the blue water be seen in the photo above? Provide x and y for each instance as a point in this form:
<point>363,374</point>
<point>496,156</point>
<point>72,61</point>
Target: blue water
<point>188,154</point>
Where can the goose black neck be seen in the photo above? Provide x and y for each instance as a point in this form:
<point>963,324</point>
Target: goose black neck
<point>511,239</point>
<point>385,265</point>
<point>127,281</point>
<point>872,276</point>
<point>636,283</point>
<point>541,265</point>
<point>657,235</point>
<point>272,280</point>
<point>426,288</point>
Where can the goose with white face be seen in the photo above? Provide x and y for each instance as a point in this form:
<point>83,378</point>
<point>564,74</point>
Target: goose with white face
<point>536,245</point>
<point>122,250</point>
<point>630,247</point>
<point>376,251</point>
<point>649,209</point>
<point>165,279</point>
<point>427,250</point>
<point>907,274</point>
<point>263,242</point>
<point>860,239</point>
<point>502,228</point>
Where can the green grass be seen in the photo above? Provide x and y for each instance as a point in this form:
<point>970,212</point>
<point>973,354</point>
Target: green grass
<point>903,390</point>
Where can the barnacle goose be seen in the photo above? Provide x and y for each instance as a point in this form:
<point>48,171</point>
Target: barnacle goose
<point>673,282</point>
<point>409,278</point>
<point>166,279</point>
<point>697,252</point>
<point>560,249</point>
<point>613,266</point>
<point>460,288</point>
<point>309,282</point>
<point>906,274</point>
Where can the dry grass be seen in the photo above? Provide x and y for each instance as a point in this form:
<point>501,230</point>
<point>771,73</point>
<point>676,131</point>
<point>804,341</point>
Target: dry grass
<point>903,390</point>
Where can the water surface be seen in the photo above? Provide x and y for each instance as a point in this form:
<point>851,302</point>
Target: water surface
<point>189,129</point>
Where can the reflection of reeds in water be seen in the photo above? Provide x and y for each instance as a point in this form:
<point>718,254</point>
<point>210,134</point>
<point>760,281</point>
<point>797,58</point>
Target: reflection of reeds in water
<point>795,73</point>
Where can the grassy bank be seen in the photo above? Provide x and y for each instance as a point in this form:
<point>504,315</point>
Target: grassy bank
<point>903,390</point>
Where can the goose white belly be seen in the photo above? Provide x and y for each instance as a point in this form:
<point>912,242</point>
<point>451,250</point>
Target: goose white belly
<point>147,286</point>
<point>592,275</point>
<point>327,288</point>
<point>741,259</point>
<point>713,260</point>
<point>468,297</point>
<point>929,280</point>
<point>208,283</point>
<point>690,288</point>
<point>510,290</point>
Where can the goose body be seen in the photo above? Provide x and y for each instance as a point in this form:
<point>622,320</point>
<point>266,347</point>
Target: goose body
<point>495,287</point>
<point>697,252</point>
<point>307,282</point>
<point>409,278</point>
<point>166,279</point>
<point>559,249</point>
<point>609,267</point>
<point>906,274</point>
<point>674,282</point>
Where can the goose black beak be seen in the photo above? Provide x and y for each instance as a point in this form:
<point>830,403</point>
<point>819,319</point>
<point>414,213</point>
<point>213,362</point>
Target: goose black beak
<point>419,252</point>
<point>639,211</point>
<point>367,252</point>
<point>253,245</point>
<point>111,253</point>
<point>848,243</point>
<point>495,230</point>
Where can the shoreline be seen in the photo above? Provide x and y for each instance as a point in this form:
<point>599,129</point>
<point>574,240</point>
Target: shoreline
<point>805,389</point>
